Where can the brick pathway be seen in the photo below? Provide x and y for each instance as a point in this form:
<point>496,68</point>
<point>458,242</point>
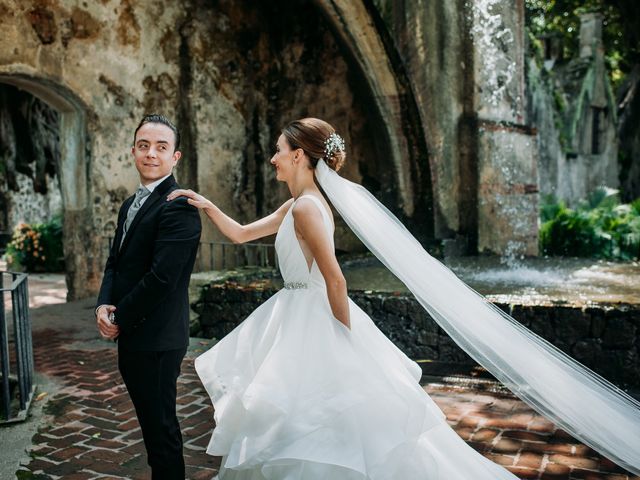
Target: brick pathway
<point>90,430</point>
<point>511,434</point>
<point>93,432</point>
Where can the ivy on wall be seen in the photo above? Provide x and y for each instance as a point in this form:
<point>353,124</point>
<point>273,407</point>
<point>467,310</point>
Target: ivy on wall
<point>620,33</point>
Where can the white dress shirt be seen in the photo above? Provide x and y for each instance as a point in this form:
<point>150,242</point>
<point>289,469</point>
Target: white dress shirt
<point>151,187</point>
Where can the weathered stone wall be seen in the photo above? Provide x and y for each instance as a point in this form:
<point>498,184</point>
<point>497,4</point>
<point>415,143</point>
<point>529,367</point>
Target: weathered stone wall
<point>230,73</point>
<point>465,62</point>
<point>249,78</point>
<point>574,111</point>
<point>433,40</point>
<point>399,80</point>
<point>604,338</point>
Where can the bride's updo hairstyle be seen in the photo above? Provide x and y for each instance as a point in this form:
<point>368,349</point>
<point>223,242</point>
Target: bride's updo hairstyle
<point>318,139</point>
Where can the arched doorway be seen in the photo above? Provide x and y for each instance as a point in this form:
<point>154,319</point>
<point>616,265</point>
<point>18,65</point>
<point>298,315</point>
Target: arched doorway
<point>82,273</point>
<point>29,187</point>
<point>364,35</point>
<point>258,66</point>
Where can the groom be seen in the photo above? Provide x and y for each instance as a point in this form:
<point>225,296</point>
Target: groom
<point>143,302</point>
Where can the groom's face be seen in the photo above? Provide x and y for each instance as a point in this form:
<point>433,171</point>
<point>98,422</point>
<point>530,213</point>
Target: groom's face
<point>154,152</point>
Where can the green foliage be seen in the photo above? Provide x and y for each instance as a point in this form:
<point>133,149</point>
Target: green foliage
<point>599,227</point>
<point>36,248</point>
<point>559,102</point>
<point>620,33</point>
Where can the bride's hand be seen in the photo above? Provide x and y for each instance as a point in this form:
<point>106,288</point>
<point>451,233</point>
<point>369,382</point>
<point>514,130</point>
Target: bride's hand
<point>193,198</point>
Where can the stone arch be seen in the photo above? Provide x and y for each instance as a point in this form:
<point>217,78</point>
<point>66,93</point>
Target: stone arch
<point>363,35</point>
<point>73,168</point>
<point>314,68</point>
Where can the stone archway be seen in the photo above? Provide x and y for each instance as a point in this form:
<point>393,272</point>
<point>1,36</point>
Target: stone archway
<point>81,256</point>
<point>311,68</point>
<point>231,105</point>
<point>363,34</point>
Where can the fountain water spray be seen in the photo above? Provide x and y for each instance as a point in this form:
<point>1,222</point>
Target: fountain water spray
<point>507,172</point>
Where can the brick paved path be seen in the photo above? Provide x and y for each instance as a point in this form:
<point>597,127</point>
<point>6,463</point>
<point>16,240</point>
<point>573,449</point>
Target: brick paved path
<point>92,431</point>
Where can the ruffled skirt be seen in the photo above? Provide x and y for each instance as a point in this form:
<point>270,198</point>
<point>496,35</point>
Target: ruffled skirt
<point>299,396</point>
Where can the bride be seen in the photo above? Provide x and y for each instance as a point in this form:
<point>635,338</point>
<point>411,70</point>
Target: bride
<point>308,388</point>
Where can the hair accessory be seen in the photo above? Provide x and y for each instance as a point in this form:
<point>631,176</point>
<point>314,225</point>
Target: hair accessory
<point>335,143</point>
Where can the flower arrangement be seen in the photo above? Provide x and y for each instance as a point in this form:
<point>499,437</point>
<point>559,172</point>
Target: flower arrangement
<point>36,248</point>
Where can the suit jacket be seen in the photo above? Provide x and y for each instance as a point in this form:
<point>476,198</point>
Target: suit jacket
<point>148,278</point>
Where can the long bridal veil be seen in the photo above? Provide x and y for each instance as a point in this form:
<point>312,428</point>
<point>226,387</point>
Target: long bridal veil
<point>560,388</point>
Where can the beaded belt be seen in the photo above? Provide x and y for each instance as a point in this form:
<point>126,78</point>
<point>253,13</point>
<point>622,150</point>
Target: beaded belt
<point>295,285</point>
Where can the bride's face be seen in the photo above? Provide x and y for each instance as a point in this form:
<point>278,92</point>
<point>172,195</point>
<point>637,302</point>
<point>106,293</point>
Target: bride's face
<point>284,159</point>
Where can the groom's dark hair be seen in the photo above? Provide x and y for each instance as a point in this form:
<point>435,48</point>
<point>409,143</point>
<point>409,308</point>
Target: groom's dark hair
<point>156,118</point>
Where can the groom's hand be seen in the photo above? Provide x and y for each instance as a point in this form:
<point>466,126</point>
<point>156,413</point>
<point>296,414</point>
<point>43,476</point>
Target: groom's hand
<point>106,328</point>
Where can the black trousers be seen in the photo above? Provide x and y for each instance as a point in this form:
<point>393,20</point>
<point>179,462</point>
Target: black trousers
<point>151,379</point>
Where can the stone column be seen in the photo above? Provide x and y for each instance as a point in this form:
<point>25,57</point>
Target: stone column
<point>82,244</point>
<point>597,143</point>
<point>590,35</point>
<point>507,163</point>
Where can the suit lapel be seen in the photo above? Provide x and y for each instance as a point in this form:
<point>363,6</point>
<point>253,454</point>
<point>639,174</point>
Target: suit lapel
<point>120,227</point>
<point>156,195</point>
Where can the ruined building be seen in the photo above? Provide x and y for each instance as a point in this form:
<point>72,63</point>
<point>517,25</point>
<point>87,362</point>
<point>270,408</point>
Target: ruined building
<point>429,95</point>
<point>574,111</point>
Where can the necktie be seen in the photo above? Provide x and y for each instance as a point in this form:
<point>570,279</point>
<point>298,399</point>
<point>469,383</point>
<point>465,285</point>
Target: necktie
<point>141,193</point>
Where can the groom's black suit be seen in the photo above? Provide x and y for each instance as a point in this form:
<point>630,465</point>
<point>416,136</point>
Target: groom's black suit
<point>147,280</point>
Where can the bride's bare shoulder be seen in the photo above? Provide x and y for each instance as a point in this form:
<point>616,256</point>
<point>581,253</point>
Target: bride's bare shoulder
<point>306,207</point>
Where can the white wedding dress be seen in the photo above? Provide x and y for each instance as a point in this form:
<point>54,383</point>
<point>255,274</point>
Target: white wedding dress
<point>299,396</point>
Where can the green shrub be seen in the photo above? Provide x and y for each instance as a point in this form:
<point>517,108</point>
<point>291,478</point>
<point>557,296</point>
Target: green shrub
<point>599,227</point>
<point>36,248</point>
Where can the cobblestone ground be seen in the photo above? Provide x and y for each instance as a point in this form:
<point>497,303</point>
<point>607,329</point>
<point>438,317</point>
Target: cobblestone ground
<point>507,431</point>
<point>90,429</point>
<point>93,432</point>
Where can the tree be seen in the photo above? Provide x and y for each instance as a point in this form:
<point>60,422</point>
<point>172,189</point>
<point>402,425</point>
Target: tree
<point>620,32</point>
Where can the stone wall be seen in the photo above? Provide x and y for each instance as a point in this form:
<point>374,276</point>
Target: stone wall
<point>574,111</point>
<point>401,81</point>
<point>605,338</point>
<point>230,73</point>
<point>465,64</point>
<point>433,40</point>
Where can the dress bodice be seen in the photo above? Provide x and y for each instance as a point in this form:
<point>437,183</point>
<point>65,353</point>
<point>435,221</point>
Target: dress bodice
<point>293,265</point>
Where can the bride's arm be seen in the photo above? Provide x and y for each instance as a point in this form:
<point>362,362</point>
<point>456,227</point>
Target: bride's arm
<point>231,229</point>
<point>310,225</point>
